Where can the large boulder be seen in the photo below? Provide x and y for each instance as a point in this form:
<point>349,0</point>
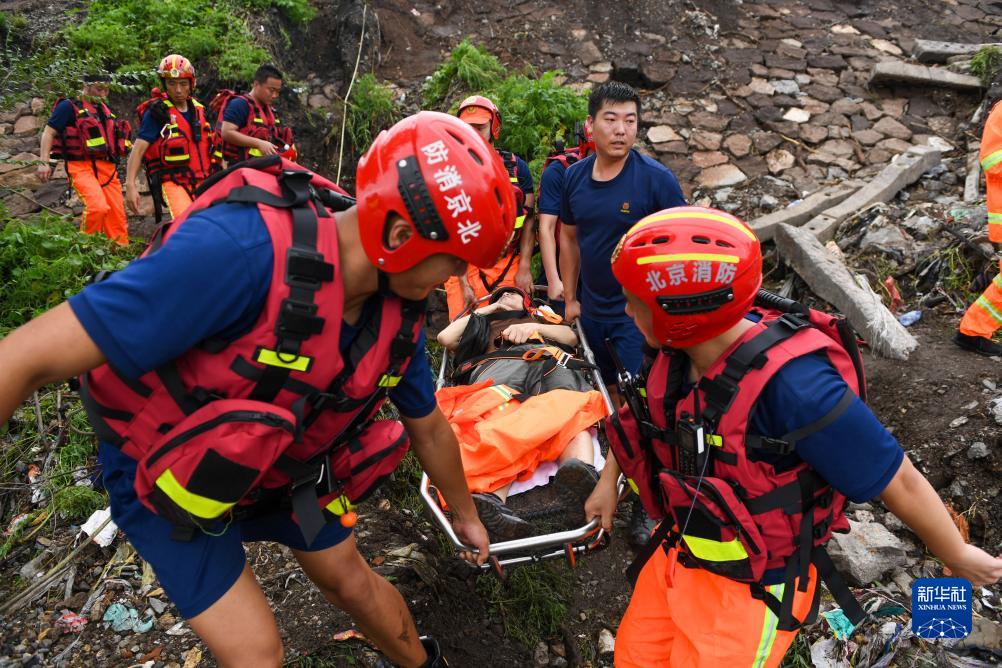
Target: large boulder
<point>867,552</point>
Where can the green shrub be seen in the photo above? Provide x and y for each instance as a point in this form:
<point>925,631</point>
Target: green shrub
<point>467,68</point>
<point>531,602</point>
<point>371,108</point>
<point>986,64</point>
<point>535,110</point>
<point>44,260</point>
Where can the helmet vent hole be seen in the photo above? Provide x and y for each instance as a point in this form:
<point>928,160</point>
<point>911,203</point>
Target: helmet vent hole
<point>701,240</point>
<point>476,157</point>
<point>497,196</point>
<point>724,244</point>
<point>660,240</point>
<point>456,137</point>
<point>638,243</point>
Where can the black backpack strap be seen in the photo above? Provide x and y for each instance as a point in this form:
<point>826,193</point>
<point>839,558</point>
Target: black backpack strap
<point>663,538</point>
<point>719,392</point>
<point>787,443</point>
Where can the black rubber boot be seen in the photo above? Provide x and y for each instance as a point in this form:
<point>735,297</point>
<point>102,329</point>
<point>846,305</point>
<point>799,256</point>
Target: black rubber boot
<point>641,526</point>
<point>435,658</point>
<point>978,344</point>
<point>502,524</point>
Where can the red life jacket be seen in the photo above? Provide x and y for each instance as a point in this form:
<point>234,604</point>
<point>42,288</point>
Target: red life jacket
<point>261,123</point>
<point>565,157</point>
<point>181,152</point>
<point>732,510</point>
<point>279,412</point>
<point>94,134</point>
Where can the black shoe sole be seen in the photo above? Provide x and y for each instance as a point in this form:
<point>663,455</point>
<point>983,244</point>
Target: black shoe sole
<point>976,348</point>
<point>500,526</point>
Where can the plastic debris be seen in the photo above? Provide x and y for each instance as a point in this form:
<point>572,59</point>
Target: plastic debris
<point>71,622</point>
<point>35,483</point>
<point>892,291</point>
<point>910,318</point>
<point>124,618</point>
<point>107,534</point>
<point>16,523</point>
<point>839,623</point>
<point>350,634</point>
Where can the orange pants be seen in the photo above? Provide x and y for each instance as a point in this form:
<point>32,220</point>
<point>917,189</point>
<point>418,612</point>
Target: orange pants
<point>984,316</point>
<point>100,191</point>
<point>176,198</point>
<point>454,291</point>
<point>688,617</point>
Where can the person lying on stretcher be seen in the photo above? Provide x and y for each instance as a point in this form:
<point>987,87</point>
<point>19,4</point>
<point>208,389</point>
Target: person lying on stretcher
<point>520,399</point>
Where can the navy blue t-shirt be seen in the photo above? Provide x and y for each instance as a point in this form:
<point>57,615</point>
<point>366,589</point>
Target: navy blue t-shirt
<point>236,112</point>
<point>602,212</point>
<point>62,115</point>
<point>551,185</point>
<point>209,281</point>
<point>150,128</point>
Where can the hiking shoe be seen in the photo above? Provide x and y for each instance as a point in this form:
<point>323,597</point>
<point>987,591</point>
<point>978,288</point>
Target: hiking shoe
<point>978,344</point>
<point>574,483</point>
<point>641,526</point>
<point>501,523</point>
<point>435,658</point>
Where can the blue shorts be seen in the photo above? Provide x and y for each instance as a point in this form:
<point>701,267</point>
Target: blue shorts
<point>626,339</point>
<point>196,573</point>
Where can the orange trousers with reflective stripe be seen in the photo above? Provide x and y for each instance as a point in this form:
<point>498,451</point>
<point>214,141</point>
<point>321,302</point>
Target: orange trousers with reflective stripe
<point>690,618</point>
<point>454,291</point>
<point>100,191</point>
<point>984,316</point>
<point>176,198</point>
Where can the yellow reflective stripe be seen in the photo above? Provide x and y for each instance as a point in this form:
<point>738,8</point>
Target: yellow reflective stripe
<point>990,160</point>
<point>259,120</point>
<point>513,179</point>
<point>715,550</point>
<point>684,257</point>
<point>715,440</point>
<point>176,158</point>
<point>196,102</point>
<point>768,636</point>
<point>989,308</point>
<point>98,141</point>
<point>254,152</point>
<point>285,361</point>
<point>684,215</point>
<point>998,281</point>
<point>995,217</point>
<point>337,506</point>
<point>388,381</point>
<point>199,506</point>
<point>643,392</point>
<point>633,486</point>
<point>503,391</point>
<point>519,221</point>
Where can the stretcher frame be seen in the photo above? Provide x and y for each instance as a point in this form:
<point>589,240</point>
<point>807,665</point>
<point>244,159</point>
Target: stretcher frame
<point>568,544</point>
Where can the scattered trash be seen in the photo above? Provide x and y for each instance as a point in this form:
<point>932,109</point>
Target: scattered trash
<point>124,618</point>
<point>910,318</point>
<point>892,291</point>
<point>71,622</point>
<point>157,605</point>
<point>606,642</point>
<point>839,623</point>
<point>350,634</point>
<point>106,535</point>
<point>826,653</point>
<point>34,483</point>
<point>192,657</point>
<point>178,629</point>
<point>16,523</point>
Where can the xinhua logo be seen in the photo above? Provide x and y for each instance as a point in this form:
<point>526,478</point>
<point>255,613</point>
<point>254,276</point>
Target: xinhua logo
<point>941,608</point>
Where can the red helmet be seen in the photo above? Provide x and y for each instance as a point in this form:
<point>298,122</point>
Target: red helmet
<point>479,109</point>
<point>436,172</point>
<point>697,269</point>
<point>176,66</point>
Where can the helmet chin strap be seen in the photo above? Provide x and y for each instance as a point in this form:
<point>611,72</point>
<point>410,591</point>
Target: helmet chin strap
<point>384,284</point>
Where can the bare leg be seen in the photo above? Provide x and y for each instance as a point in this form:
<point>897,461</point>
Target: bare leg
<point>346,580</point>
<point>502,492</point>
<point>239,628</point>
<point>580,447</point>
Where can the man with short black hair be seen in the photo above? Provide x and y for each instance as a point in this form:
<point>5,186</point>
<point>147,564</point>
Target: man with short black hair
<point>603,196</point>
<point>242,134</point>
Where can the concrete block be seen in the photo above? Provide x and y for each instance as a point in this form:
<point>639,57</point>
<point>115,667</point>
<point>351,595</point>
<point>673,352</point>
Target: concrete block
<point>930,51</point>
<point>800,213</point>
<point>920,75</point>
<point>828,278</point>
<point>905,170</point>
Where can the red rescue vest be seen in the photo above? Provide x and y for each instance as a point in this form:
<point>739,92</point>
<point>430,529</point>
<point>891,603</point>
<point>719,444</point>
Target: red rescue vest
<point>748,504</point>
<point>261,123</point>
<point>279,411</point>
<point>94,134</point>
<point>181,152</point>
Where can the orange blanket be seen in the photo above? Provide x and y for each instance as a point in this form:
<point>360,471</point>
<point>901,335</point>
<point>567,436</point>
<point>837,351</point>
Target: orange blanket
<point>502,440</point>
